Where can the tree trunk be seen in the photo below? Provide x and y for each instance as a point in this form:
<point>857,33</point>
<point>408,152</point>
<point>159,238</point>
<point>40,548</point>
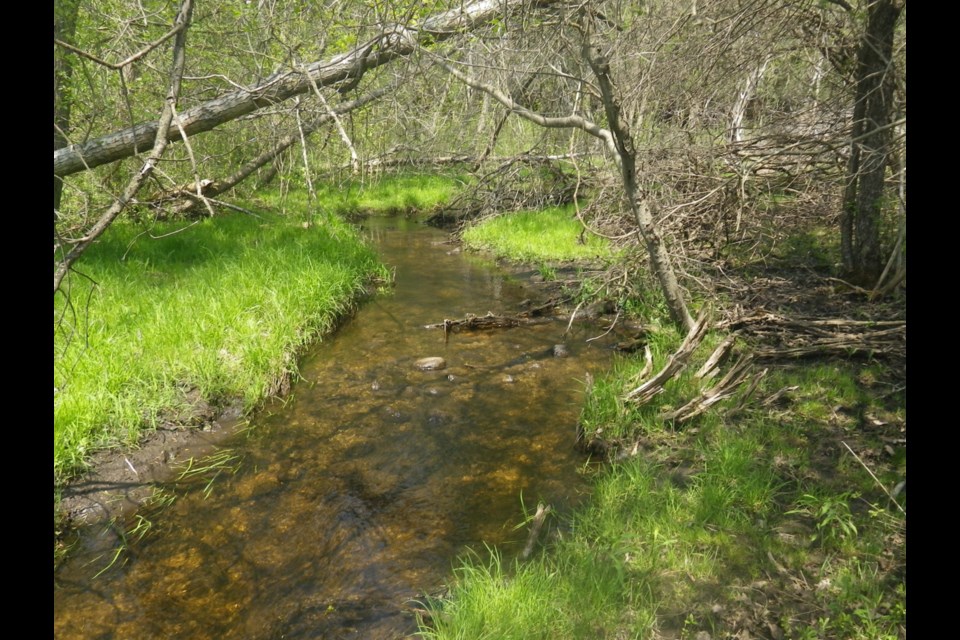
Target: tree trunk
<point>392,43</point>
<point>659,258</point>
<point>870,147</point>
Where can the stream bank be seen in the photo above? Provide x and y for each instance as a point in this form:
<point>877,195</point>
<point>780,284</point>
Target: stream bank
<point>354,496</point>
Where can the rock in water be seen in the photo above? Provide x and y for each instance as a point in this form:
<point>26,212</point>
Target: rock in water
<point>431,364</point>
<point>560,351</point>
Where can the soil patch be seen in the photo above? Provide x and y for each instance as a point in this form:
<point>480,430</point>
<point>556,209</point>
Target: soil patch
<point>120,480</point>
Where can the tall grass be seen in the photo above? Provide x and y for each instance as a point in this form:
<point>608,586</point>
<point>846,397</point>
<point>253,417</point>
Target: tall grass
<point>402,194</point>
<point>550,234</point>
<point>218,309</point>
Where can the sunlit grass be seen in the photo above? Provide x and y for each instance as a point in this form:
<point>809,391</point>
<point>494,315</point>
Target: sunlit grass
<point>403,194</point>
<point>220,309</point>
<point>687,528</point>
<point>552,234</point>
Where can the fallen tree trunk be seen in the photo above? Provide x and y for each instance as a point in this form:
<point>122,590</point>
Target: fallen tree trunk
<point>346,69</point>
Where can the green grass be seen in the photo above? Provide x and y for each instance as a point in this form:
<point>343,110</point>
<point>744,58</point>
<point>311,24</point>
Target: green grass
<point>219,309</point>
<point>714,514</point>
<point>402,194</point>
<point>552,234</point>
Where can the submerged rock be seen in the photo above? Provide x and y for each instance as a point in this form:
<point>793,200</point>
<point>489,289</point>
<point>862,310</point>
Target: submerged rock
<point>560,351</point>
<point>434,363</point>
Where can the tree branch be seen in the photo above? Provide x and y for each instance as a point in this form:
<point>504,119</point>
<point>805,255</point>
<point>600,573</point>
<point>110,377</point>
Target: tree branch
<point>159,146</point>
<point>391,43</point>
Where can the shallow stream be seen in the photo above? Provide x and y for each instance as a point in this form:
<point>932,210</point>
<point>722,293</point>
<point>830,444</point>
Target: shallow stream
<point>356,496</point>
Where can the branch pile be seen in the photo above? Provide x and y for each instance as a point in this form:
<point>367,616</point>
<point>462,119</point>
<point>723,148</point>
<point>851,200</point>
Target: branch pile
<point>806,337</point>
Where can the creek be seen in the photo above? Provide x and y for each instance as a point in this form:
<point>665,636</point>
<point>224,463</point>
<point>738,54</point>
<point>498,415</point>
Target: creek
<point>356,495</point>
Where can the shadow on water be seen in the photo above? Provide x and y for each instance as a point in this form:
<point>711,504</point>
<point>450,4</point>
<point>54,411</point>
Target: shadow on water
<point>358,493</point>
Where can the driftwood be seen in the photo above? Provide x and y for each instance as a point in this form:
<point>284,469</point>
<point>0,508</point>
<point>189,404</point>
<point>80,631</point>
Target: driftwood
<point>711,367</point>
<point>484,323</point>
<point>539,518</point>
<point>800,337</point>
<point>674,365</point>
<point>720,391</point>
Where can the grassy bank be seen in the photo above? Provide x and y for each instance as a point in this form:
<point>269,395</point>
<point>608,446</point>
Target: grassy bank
<point>773,520</point>
<point>164,315</point>
<point>548,235</point>
<point>402,194</point>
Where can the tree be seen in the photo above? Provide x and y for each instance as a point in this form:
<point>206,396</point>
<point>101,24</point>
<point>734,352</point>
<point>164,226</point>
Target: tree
<point>873,110</point>
<point>64,27</point>
<point>163,127</point>
<point>346,69</point>
<point>342,72</point>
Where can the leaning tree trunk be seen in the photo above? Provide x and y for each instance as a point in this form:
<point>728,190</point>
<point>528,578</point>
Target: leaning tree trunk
<point>343,71</point>
<point>870,147</point>
<point>620,130</point>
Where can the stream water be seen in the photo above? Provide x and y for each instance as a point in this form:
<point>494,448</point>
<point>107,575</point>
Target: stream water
<point>357,495</point>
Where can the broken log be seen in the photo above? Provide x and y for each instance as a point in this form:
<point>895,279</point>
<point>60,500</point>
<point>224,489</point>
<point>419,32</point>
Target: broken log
<point>483,323</point>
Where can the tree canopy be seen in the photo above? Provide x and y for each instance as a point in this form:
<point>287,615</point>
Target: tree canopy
<point>700,113</point>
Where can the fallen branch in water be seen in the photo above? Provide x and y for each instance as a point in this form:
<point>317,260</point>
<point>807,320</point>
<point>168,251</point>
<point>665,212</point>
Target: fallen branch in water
<point>539,518</point>
<point>482,323</point>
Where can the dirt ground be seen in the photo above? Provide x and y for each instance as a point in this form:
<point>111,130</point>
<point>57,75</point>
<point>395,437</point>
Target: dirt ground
<point>120,480</point>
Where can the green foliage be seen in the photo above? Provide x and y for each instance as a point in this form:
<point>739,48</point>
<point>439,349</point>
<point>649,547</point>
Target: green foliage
<point>835,525</point>
<point>402,194</point>
<point>549,234</point>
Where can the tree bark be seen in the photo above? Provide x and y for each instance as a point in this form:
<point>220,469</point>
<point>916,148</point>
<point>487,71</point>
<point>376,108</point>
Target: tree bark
<point>390,44</point>
<point>870,147</point>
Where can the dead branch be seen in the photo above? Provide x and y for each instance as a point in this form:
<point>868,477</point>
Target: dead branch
<point>484,323</point>
<point>674,365</point>
<point>538,521</point>
<point>711,367</point>
<point>799,337</point>
<point>709,397</point>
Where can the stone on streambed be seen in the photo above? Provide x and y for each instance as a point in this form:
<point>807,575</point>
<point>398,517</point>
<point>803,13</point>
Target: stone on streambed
<point>433,363</point>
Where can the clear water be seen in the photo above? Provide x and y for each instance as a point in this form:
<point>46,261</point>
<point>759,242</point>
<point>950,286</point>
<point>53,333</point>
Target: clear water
<point>357,495</point>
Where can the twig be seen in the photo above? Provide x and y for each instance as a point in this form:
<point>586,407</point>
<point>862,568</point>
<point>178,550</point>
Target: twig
<point>875,479</point>
<point>612,325</point>
<point>572,317</point>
